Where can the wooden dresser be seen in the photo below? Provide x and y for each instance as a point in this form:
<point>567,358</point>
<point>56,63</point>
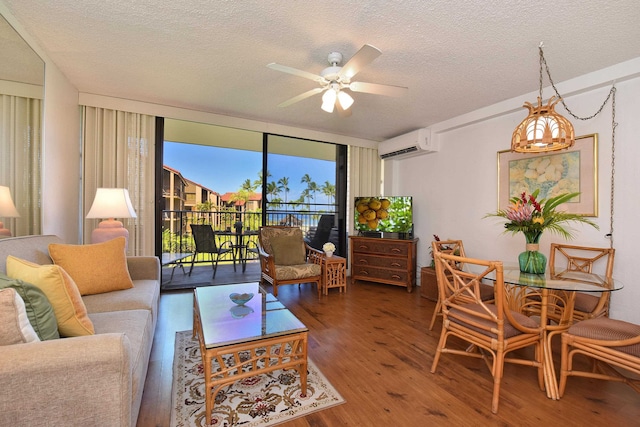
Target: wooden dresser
<point>389,261</point>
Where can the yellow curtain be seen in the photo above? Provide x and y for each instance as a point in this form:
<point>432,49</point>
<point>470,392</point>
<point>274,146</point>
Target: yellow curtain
<point>364,177</point>
<point>118,152</point>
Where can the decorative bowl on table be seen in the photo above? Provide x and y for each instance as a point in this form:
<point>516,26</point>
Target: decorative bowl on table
<point>240,311</point>
<point>241,299</point>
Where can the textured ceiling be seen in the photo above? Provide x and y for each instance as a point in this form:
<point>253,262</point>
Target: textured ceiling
<point>454,56</point>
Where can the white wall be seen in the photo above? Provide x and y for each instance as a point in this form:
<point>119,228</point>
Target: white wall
<point>61,148</point>
<point>455,188</point>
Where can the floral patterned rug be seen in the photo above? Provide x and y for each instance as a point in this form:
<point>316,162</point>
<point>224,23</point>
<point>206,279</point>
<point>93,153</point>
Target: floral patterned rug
<point>263,400</point>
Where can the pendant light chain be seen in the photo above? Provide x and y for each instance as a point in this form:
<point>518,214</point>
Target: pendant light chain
<point>614,125</point>
<point>612,96</point>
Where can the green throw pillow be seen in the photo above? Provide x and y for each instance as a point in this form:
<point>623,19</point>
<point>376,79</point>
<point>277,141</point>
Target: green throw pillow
<point>39,309</point>
<point>288,250</point>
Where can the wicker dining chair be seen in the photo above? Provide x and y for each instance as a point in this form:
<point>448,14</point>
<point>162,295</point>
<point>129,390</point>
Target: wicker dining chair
<point>587,260</point>
<point>454,247</point>
<point>612,345</point>
<point>492,329</point>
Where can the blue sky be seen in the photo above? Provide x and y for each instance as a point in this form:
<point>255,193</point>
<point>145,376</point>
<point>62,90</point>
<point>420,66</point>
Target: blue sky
<point>224,170</point>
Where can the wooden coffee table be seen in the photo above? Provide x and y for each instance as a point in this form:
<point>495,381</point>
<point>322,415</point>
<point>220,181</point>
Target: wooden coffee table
<point>260,336</point>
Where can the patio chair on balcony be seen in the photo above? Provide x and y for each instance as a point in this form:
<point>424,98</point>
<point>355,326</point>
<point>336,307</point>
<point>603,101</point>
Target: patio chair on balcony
<point>286,259</point>
<point>205,241</point>
<point>322,232</point>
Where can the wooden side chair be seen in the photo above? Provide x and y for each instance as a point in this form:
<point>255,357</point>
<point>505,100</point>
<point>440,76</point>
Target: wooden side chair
<point>588,260</point>
<point>608,343</point>
<point>205,241</point>
<point>454,247</point>
<point>492,329</point>
<point>286,259</point>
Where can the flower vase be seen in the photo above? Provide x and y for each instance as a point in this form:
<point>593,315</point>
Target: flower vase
<point>531,261</point>
<point>329,253</point>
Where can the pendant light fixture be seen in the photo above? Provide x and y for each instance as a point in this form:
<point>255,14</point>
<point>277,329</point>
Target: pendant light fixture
<point>543,129</point>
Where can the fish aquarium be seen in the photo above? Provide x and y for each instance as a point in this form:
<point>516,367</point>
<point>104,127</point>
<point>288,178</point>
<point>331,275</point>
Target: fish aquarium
<point>384,216</point>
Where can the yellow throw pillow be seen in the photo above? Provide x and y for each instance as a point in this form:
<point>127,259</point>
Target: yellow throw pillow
<point>58,286</point>
<point>96,268</point>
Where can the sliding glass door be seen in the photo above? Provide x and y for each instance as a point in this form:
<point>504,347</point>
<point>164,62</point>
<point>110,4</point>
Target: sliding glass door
<point>304,187</point>
<point>214,175</point>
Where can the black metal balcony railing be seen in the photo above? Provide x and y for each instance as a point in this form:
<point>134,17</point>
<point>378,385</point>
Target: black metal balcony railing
<point>176,233</point>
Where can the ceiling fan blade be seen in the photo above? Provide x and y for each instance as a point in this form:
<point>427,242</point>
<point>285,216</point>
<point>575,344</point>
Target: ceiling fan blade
<point>361,59</point>
<point>378,89</point>
<point>296,72</point>
<point>300,97</point>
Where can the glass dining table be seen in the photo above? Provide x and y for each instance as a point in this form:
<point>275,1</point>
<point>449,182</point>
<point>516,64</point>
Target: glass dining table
<point>551,297</point>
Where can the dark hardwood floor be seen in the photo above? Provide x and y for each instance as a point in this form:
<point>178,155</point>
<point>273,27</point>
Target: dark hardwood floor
<point>373,344</point>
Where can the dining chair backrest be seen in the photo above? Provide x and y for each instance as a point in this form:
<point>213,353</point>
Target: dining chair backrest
<point>584,259</point>
<point>204,238</point>
<point>460,287</point>
<point>581,258</point>
<point>453,247</point>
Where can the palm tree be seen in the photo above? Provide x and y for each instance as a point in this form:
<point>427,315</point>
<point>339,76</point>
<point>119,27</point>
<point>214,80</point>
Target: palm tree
<point>283,185</point>
<point>258,182</point>
<point>329,190</point>
<point>312,188</point>
<point>272,190</point>
<point>248,186</point>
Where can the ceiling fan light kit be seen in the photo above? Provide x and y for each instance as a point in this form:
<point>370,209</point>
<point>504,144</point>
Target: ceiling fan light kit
<point>334,79</point>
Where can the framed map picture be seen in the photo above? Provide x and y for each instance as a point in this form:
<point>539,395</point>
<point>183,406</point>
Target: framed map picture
<point>553,173</point>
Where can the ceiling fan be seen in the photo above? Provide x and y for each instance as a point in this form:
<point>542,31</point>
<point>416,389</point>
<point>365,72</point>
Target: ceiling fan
<point>335,79</point>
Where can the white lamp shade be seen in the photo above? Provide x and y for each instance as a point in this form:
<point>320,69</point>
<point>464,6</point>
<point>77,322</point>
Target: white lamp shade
<point>329,100</point>
<point>7,208</point>
<point>345,100</point>
<point>112,203</point>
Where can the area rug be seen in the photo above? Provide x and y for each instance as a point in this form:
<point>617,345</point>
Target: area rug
<point>263,400</point>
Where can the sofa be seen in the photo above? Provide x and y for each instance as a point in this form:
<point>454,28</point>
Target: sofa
<point>92,380</point>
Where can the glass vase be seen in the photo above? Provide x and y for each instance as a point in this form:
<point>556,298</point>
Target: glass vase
<point>531,261</point>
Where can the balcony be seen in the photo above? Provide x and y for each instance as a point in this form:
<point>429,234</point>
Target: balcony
<point>177,239</point>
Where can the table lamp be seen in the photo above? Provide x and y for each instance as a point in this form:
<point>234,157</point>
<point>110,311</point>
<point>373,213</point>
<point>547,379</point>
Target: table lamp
<point>7,209</point>
<point>111,203</point>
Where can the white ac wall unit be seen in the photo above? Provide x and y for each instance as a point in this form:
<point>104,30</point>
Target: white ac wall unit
<point>407,145</point>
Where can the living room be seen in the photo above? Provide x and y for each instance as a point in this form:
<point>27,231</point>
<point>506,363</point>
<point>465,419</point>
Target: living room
<point>453,188</point>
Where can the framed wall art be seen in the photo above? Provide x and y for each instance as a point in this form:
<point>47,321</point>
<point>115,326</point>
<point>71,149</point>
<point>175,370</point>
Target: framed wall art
<point>553,173</point>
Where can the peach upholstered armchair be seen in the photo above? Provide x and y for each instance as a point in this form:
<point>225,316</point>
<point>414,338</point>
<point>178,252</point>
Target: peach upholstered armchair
<point>286,259</point>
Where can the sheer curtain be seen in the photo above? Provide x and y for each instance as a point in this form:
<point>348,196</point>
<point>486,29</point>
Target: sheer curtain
<point>20,160</point>
<point>364,177</point>
<point>118,152</point>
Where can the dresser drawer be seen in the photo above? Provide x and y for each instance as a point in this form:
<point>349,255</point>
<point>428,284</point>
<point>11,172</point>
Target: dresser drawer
<point>364,260</point>
<point>380,274</point>
<point>381,246</point>
<point>389,261</point>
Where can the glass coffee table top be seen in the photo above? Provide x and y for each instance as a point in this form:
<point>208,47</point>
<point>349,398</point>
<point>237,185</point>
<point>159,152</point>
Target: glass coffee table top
<point>225,323</point>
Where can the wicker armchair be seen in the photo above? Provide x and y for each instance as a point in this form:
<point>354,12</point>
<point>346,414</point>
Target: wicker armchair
<point>286,259</point>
